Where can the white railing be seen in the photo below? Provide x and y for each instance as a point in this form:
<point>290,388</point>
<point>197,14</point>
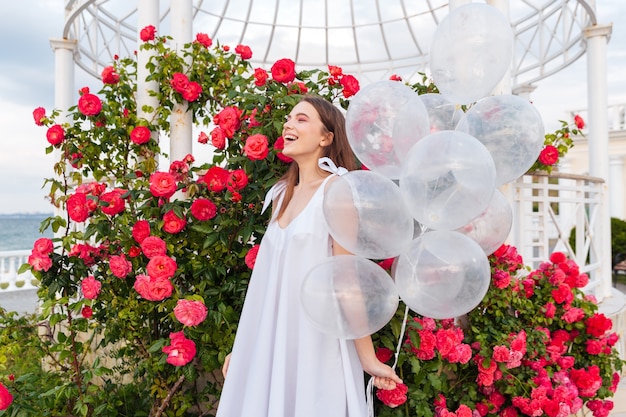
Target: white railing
<point>548,209</point>
<point>10,262</point>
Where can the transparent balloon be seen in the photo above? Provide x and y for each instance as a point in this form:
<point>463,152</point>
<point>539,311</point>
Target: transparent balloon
<point>411,124</point>
<point>447,179</point>
<point>512,130</point>
<point>492,227</point>
<point>370,122</point>
<point>470,52</point>
<point>366,215</point>
<point>444,274</point>
<point>442,113</point>
<point>348,297</point>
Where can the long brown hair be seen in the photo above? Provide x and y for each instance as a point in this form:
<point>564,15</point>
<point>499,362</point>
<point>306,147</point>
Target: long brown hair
<point>339,151</point>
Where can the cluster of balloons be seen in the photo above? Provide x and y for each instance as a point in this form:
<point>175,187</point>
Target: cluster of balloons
<point>430,197</point>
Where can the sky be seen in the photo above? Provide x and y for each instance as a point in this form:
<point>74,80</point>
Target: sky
<point>27,82</point>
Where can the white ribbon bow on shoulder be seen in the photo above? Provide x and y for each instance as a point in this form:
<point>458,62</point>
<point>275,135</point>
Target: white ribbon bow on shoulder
<point>328,165</point>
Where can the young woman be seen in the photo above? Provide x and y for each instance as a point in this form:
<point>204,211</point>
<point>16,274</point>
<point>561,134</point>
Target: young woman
<point>281,366</point>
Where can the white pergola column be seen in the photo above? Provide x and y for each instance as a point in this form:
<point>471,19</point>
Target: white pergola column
<point>147,14</point>
<point>181,121</point>
<point>598,136</point>
<point>616,175</point>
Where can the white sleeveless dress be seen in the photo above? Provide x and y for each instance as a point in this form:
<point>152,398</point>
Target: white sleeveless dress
<point>281,366</point>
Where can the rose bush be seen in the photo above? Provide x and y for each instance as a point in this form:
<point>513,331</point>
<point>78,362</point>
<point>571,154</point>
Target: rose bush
<point>142,286</point>
<point>557,144</point>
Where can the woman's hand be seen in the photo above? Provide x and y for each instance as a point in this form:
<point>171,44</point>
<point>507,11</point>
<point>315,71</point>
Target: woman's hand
<point>384,376</point>
<point>225,366</point>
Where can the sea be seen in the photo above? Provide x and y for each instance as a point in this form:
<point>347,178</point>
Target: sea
<point>19,231</point>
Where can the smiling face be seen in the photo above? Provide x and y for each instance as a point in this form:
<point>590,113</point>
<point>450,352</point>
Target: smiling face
<point>304,133</point>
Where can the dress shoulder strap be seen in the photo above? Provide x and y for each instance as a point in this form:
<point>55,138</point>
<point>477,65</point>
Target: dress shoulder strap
<point>274,195</point>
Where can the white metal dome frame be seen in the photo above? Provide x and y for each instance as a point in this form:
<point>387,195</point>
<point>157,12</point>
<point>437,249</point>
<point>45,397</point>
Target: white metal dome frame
<point>371,38</point>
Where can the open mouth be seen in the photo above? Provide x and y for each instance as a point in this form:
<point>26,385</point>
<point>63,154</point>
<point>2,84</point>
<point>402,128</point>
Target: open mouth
<point>290,138</point>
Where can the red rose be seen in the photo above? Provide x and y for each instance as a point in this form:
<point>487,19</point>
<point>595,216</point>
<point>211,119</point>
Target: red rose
<point>55,134</point>
<point>5,398</point>
<point>549,155</point>
<point>86,312</point>
<point>147,34</point>
<point>237,180</point>
<point>203,138</point>
<point>89,104</point>
<point>152,246</point>
<point>190,313</point>
<point>134,251</point>
<point>297,87</point>
<point>216,178</point>
<point>161,266</point>
<point>229,120</point>
<point>90,287</point>
<point>39,114</point>
<point>244,51</point>
<point>179,82</point>
<point>113,202</point>
<point>204,40</point>
<point>192,91</point>
<point>335,71</point>
<point>109,76</point>
<point>76,207</point>
<point>598,325</point>
<point>140,135</point>
<point>260,77</point>
<point>141,230</point>
<point>235,197</point>
<point>43,245</point>
<point>284,70</point>
<point>172,223</point>
<point>587,380</point>
<point>181,350</point>
<point>218,138</point>
<point>350,85</point>
<point>120,266</point>
<point>251,256</point>
<point>162,184</point>
<point>395,77</point>
<point>39,261</point>
<point>393,397</point>
<point>384,354</point>
<point>256,147</point>
<point>179,169</point>
<point>279,145</point>
<point>153,289</point>
<point>203,209</point>
<point>580,123</point>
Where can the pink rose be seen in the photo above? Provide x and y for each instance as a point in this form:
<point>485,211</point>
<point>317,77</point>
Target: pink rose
<point>43,245</point>
<point>76,207</point>
<point>243,51</point>
<point>190,313</point>
<point>284,70</point>
<point>141,230</point>
<point>216,178</point>
<point>161,266</point>
<point>39,114</point>
<point>140,135</point>
<point>204,40</point>
<point>393,397</point>
<point>580,123</point>
<point>256,147</point>
<point>39,261</point>
<point>229,120</point>
<point>162,184</point>
<point>260,77</point>
<point>113,202</point>
<point>152,246</point>
<point>147,34</point>
<point>350,85</point>
<point>250,258</point>
<point>120,266</point>
<point>172,223</point>
<point>179,82</point>
<point>153,289</point>
<point>181,350</point>
<point>89,104</point>
<point>203,138</point>
<point>5,398</point>
<point>192,91</point>
<point>55,135</point>
<point>90,287</point>
<point>203,209</point>
<point>109,76</point>
<point>218,139</point>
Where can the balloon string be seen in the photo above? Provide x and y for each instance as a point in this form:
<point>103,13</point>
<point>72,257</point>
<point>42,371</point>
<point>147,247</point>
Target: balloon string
<point>370,383</point>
